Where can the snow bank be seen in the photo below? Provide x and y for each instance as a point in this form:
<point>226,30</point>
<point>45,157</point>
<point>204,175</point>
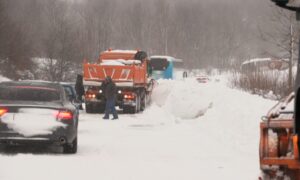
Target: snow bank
<point>30,122</point>
<point>3,78</point>
<point>185,99</point>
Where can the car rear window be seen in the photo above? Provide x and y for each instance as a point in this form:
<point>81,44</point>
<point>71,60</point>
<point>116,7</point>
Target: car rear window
<point>29,93</point>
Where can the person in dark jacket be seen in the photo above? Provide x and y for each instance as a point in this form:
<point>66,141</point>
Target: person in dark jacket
<point>110,93</point>
<point>79,89</point>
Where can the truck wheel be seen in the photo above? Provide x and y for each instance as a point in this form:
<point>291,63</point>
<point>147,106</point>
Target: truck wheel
<point>143,102</point>
<point>138,102</point>
<point>89,108</point>
<point>71,148</point>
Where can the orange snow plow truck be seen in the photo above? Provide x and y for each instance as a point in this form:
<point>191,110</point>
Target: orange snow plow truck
<point>129,70</point>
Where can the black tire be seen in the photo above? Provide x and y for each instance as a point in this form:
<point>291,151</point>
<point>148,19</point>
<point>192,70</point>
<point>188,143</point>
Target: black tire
<point>138,103</point>
<point>143,101</point>
<point>89,108</point>
<point>70,148</point>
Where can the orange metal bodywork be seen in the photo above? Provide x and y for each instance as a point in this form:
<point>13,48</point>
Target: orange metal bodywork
<point>133,74</point>
<point>284,152</point>
<point>126,55</point>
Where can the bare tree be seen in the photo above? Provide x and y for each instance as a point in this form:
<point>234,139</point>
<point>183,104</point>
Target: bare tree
<point>284,37</point>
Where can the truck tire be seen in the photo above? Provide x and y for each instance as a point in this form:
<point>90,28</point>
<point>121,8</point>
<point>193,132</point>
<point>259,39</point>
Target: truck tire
<point>138,102</point>
<point>89,108</point>
<point>143,101</point>
<point>70,148</point>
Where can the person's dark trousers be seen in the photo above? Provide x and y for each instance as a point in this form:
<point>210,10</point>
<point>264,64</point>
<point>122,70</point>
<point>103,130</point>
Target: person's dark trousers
<point>80,99</point>
<point>110,107</point>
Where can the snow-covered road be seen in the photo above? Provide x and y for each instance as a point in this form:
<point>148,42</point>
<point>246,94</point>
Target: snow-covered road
<point>172,140</point>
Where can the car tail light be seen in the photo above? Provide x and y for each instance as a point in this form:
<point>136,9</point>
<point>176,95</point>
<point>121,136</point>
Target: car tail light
<point>64,115</point>
<point>3,111</point>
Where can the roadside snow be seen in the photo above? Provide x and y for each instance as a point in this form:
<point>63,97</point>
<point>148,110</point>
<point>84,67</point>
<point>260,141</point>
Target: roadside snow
<point>185,99</point>
<point>3,78</point>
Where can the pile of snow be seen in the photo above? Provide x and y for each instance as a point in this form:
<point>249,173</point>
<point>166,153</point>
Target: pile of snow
<point>2,78</point>
<point>185,99</point>
<point>32,121</point>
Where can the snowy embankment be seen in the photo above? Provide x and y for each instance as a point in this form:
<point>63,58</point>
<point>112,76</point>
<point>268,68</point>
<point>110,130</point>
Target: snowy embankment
<point>3,78</point>
<point>191,131</point>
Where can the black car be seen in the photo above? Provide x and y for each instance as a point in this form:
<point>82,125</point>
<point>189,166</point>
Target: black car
<point>38,113</point>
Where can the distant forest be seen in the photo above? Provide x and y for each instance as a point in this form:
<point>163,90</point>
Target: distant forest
<point>205,34</point>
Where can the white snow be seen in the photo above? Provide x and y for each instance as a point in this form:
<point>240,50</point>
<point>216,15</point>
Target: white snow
<point>272,140</point>
<point>168,58</point>
<point>257,60</point>
<point>112,63</point>
<point>32,121</point>
<point>3,78</point>
<point>191,131</point>
<point>184,99</point>
<point>119,62</point>
<point>123,51</point>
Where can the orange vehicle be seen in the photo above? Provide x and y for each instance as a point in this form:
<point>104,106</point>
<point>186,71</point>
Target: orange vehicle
<point>279,152</point>
<point>129,70</point>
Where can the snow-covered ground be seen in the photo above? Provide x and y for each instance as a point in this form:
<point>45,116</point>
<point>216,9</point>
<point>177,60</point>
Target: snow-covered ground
<point>191,131</point>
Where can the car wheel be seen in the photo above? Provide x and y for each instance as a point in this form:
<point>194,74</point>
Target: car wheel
<point>71,148</point>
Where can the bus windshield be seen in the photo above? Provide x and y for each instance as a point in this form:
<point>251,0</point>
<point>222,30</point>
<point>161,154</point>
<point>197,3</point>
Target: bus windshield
<point>159,64</point>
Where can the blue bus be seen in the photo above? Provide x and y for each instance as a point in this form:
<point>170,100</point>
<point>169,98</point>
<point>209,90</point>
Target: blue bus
<point>162,67</point>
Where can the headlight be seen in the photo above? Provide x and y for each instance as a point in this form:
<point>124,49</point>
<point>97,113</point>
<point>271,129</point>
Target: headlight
<point>119,91</point>
<point>100,91</point>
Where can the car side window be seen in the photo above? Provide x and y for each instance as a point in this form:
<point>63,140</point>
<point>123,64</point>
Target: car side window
<point>69,93</point>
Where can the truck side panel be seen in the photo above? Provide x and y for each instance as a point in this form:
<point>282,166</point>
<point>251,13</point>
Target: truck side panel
<point>129,73</point>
